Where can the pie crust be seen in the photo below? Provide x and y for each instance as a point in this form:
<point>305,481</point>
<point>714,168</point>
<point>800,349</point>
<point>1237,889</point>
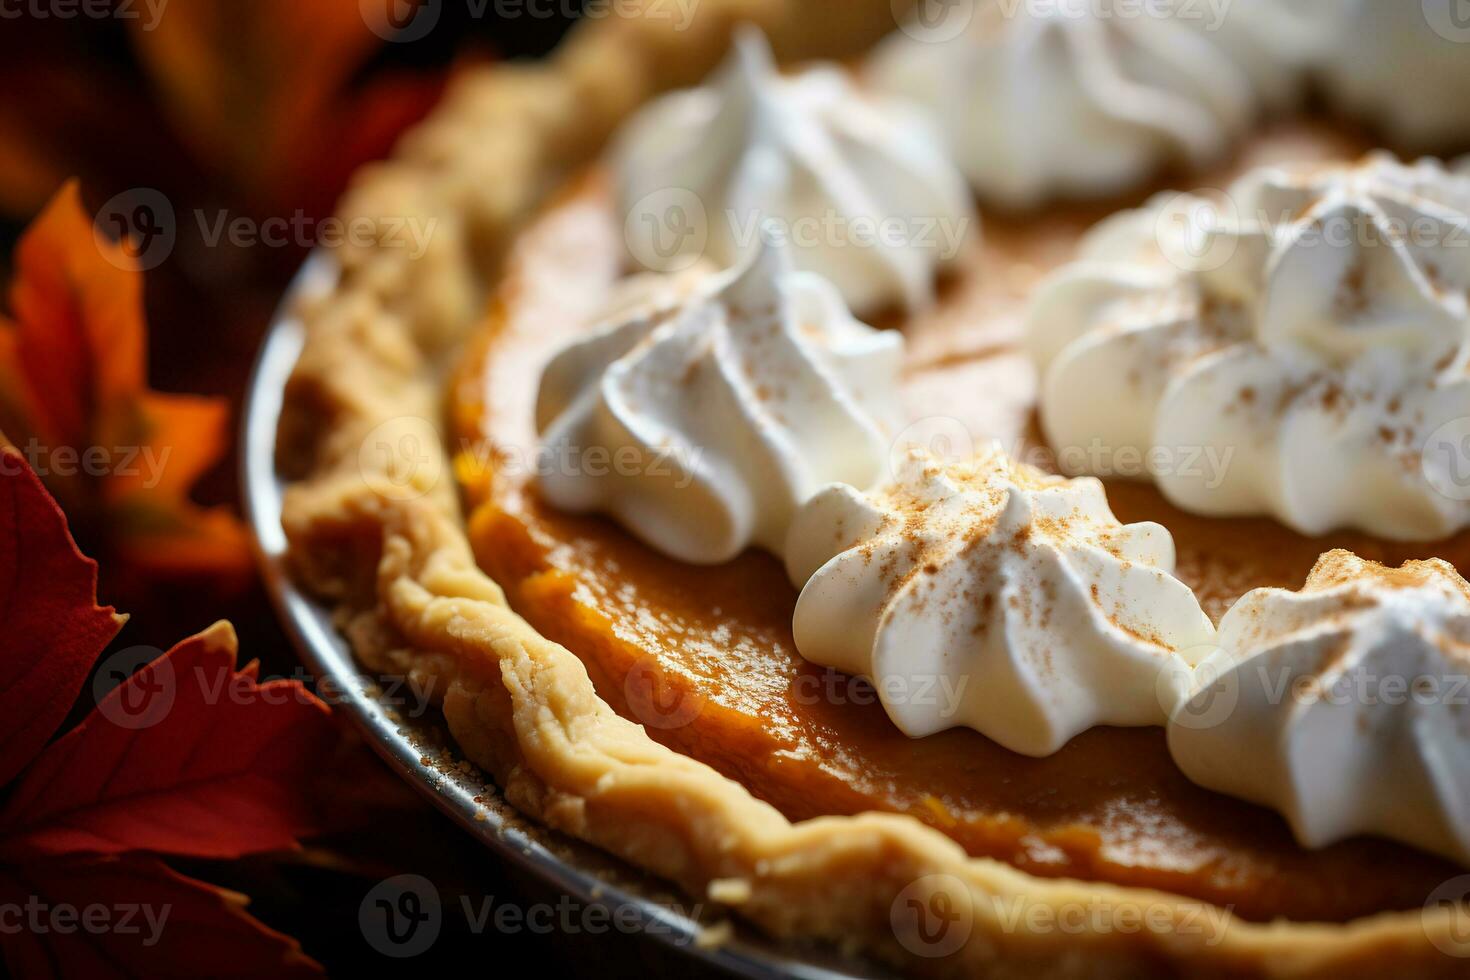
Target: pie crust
<point>380,537</point>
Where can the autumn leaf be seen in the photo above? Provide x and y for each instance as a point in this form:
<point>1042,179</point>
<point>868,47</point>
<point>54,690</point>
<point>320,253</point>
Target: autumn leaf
<point>188,756</point>
<point>269,95</point>
<point>158,923</point>
<point>74,398</point>
<point>44,581</point>
<point>263,90</point>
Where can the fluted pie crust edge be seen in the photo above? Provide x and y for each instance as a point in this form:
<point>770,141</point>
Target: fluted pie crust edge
<point>398,569</point>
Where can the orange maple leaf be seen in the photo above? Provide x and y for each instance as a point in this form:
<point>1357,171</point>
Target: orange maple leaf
<point>75,402</point>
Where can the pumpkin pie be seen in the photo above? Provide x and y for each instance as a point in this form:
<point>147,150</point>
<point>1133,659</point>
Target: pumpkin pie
<point>683,666</point>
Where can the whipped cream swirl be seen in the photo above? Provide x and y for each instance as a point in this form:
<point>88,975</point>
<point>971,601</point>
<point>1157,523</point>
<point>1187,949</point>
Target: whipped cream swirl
<point>1345,706</point>
<point>1290,352</point>
<point>1080,99</point>
<point>990,595</point>
<point>703,421</point>
<point>860,185</point>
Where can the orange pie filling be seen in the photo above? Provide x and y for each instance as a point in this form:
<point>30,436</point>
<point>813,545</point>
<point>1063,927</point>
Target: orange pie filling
<point>703,657</point>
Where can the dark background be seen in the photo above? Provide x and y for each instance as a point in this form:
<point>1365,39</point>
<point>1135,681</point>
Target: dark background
<point>75,93</point>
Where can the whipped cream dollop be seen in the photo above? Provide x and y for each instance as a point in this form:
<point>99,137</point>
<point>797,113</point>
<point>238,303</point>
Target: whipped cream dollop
<point>702,418</point>
<point>859,184</point>
<point>990,595</point>
<point>1291,351</point>
<point>1403,66</point>
<point>1085,98</point>
<point>1345,706</point>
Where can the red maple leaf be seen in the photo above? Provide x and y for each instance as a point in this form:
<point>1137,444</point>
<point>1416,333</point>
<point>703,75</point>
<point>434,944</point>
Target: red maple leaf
<point>44,580</point>
<point>188,756</point>
<point>158,923</point>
